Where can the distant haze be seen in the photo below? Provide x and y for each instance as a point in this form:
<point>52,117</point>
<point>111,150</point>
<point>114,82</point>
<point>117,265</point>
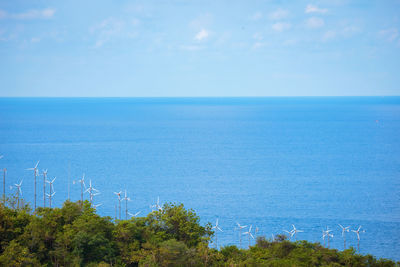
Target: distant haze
<point>199,48</point>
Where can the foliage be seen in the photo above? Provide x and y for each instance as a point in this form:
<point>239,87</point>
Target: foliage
<point>74,235</point>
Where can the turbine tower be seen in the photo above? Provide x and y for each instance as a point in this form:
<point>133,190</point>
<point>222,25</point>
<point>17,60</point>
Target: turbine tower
<point>249,234</point>
<point>240,227</point>
<point>19,191</point>
<point>344,230</point>
<point>119,202</point>
<point>358,237</point>
<point>35,173</point>
<point>44,187</point>
<point>50,196</point>
<point>216,227</point>
<point>295,231</point>
<point>126,198</point>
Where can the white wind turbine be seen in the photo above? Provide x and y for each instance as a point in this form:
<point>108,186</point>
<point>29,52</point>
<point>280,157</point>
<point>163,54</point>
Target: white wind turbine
<point>19,192</point>
<point>249,234</point>
<point>35,173</point>
<point>134,215</point>
<point>126,198</point>
<point>358,236</point>
<point>44,187</point>
<point>290,233</point>
<point>240,227</point>
<point>216,227</point>
<point>344,230</point>
<point>156,205</point>
<point>92,191</point>
<point>119,202</point>
<point>295,231</point>
<point>51,194</point>
<point>326,233</point>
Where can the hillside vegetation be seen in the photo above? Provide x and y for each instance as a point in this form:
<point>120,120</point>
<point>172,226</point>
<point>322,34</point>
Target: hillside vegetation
<point>75,235</point>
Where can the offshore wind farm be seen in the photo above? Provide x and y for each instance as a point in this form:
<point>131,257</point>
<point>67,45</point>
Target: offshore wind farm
<point>232,160</point>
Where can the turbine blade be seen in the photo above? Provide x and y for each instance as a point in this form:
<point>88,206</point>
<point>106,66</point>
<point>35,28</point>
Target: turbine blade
<point>37,164</point>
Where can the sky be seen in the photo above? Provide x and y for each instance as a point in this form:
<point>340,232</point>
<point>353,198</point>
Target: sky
<point>185,48</point>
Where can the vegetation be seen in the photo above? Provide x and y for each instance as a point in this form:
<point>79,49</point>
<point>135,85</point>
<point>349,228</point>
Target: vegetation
<point>75,235</point>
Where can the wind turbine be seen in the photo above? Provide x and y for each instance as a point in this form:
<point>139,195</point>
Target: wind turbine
<point>358,236</point>
<point>326,233</point>
<point>19,191</point>
<point>156,205</point>
<point>119,202</point>
<point>92,191</point>
<point>249,234</point>
<point>216,227</point>
<point>35,173</point>
<point>44,187</point>
<point>291,233</point>
<point>134,215</point>
<point>126,198</point>
<point>344,230</point>
<point>295,231</point>
<point>50,196</point>
<point>240,232</point>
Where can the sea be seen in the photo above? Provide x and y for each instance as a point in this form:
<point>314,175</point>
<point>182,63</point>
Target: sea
<point>269,163</point>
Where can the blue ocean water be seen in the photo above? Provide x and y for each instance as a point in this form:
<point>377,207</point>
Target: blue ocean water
<point>267,162</point>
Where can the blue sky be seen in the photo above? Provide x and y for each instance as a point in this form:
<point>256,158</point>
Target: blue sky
<point>199,48</point>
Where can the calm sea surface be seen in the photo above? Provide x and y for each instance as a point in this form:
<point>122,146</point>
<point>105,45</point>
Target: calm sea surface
<point>266,162</point>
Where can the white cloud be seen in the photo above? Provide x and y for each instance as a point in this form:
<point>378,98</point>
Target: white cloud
<point>315,22</point>
<point>314,9</point>
<point>281,26</point>
<point>201,35</point>
<point>389,34</point>
<point>278,14</point>
<point>256,16</point>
